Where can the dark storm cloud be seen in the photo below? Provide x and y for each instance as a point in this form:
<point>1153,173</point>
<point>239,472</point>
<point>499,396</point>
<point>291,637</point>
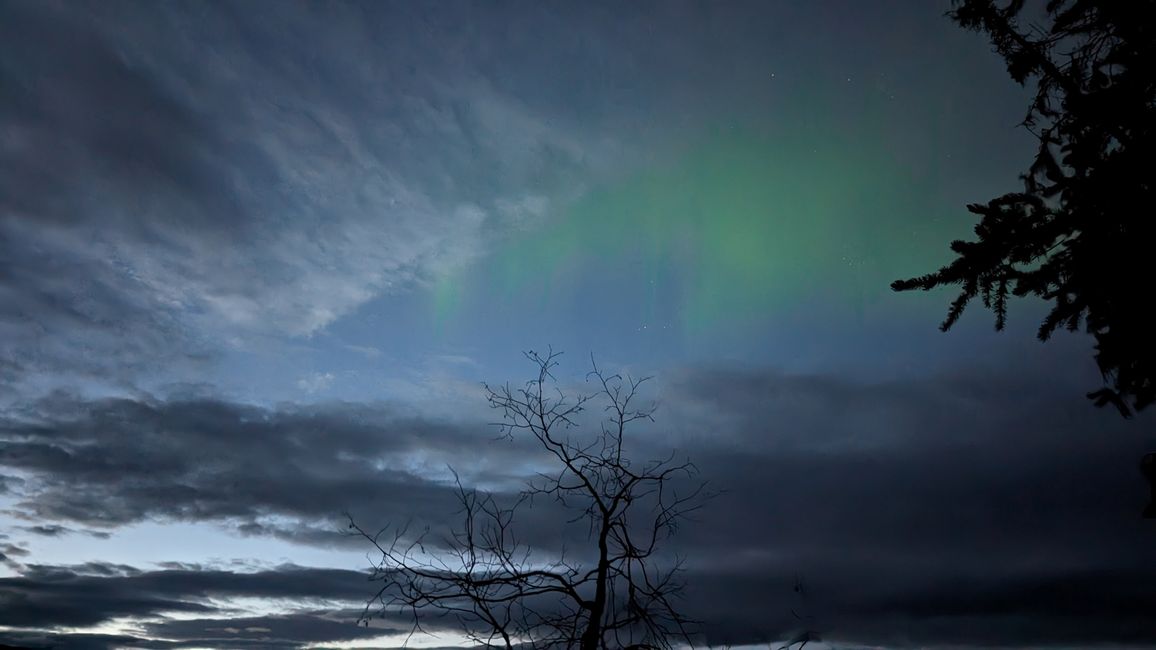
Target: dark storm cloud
<point>853,606</point>
<point>83,641</point>
<point>49,596</point>
<point>56,530</point>
<point>9,552</point>
<point>961,466</point>
<point>39,640</point>
<point>46,597</point>
<point>290,631</point>
<point>959,508</point>
<point>971,508</point>
<point>89,594</point>
<point>120,461</point>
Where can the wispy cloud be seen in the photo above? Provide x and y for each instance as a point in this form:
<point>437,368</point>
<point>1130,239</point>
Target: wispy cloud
<point>258,193</point>
<point>316,383</point>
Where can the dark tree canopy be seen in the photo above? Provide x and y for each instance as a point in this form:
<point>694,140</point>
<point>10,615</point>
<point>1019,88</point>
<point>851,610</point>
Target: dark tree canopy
<point>1080,234</point>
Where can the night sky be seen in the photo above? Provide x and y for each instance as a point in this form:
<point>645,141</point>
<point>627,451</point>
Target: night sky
<point>256,259</point>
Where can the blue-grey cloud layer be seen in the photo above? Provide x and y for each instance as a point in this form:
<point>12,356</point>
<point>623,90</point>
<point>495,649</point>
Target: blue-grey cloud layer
<point>960,509</point>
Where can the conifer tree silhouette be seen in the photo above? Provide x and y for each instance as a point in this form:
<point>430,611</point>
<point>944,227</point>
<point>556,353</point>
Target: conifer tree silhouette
<point>1080,233</point>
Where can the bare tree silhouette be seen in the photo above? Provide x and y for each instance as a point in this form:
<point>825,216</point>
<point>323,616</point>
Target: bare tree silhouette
<point>498,590</point>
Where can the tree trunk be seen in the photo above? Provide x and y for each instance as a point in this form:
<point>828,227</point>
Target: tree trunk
<point>592,635</point>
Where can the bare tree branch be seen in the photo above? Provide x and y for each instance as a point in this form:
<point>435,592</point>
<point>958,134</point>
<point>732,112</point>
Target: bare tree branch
<point>500,593</point>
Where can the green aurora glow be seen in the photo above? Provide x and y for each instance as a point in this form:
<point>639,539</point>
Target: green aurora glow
<point>740,228</point>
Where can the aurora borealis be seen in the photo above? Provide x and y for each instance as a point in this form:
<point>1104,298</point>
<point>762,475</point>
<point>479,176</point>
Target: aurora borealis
<point>739,234</point>
<point>257,258</point>
<point>736,229</point>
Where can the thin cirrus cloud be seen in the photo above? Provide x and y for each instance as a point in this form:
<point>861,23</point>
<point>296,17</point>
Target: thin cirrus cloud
<point>162,191</point>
